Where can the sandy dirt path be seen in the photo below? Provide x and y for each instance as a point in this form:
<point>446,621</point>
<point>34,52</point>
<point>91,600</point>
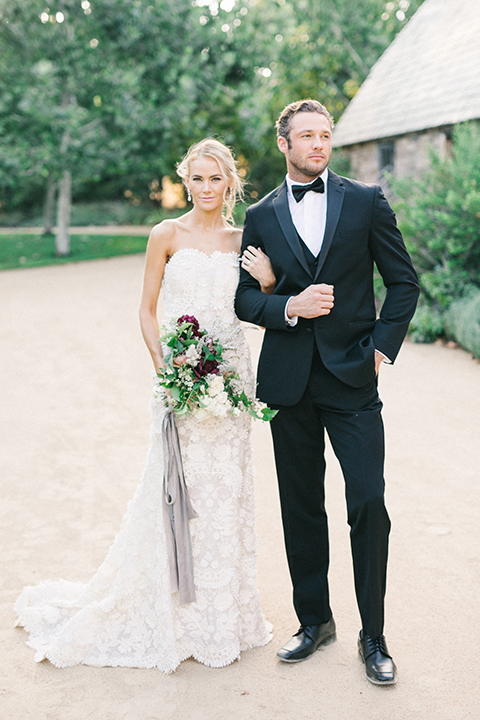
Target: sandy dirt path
<point>75,426</point>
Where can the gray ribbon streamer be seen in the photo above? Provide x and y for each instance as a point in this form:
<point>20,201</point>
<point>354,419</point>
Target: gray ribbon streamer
<point>177,511</point>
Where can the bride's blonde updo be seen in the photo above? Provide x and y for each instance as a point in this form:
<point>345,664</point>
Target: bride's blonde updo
<point>214,149</point>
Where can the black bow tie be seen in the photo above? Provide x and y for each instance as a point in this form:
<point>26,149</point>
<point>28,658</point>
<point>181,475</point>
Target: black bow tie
<point>300,190</point>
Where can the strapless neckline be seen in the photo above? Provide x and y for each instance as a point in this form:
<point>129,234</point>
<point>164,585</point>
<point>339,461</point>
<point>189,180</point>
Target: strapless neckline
<point>203,254</point>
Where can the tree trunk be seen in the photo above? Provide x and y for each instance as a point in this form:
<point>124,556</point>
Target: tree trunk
<point>62,239</point>
<point>49,206</point>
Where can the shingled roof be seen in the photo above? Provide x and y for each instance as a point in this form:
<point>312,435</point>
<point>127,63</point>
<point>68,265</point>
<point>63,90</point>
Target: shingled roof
<point>428,77</point>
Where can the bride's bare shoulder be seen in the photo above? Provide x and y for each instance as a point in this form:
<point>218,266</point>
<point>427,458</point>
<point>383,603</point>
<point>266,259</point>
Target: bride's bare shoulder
<point>166,230</point>
<point>163,236</point>
<point>236,237</point>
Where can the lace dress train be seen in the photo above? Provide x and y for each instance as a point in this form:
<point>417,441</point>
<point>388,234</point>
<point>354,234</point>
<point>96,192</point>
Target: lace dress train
<point>126,615</point>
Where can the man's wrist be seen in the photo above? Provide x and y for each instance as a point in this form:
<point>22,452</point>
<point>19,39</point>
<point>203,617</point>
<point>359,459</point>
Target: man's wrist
<point>384,359</point>
<point>290,320</point>
<point>289,310</point>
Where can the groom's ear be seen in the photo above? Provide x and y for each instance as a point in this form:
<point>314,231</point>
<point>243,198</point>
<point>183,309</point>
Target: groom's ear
<point>282,144</point>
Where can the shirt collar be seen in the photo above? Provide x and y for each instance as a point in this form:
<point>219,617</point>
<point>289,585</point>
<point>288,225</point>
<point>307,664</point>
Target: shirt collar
<point>291,182</point>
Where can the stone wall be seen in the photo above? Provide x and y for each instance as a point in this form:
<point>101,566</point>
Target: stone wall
<point>411,155</point>
<point>363,161</point>
<point>412,151</point>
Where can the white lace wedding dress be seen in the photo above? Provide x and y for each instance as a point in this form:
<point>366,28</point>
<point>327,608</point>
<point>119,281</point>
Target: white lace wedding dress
<point>126,615</point>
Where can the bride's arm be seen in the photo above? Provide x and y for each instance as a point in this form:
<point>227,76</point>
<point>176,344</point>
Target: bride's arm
<point>156,259</point>
<point>255,262</point>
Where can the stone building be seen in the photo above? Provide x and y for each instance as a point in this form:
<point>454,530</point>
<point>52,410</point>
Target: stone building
<point>425,82</point>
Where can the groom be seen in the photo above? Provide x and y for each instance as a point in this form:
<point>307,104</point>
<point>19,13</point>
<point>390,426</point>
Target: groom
<point>319,363</point>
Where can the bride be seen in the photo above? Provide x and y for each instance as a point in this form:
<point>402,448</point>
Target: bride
<point>127,615</point>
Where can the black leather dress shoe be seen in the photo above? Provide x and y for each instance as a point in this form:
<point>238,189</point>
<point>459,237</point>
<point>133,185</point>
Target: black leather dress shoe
<point>307,640</point>
<point>379,666</point>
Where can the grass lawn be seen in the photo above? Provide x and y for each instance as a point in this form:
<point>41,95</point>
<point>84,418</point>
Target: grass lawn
<point>18,251</point>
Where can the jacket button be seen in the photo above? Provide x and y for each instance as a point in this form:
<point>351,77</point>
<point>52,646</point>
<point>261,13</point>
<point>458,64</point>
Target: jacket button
<point>309,330</point>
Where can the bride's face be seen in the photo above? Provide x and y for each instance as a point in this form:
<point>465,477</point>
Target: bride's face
<point>206,183</point>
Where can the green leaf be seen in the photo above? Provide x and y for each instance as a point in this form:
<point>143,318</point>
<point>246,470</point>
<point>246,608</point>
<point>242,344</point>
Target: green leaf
<point>268,414</point>
<point>175,392</point>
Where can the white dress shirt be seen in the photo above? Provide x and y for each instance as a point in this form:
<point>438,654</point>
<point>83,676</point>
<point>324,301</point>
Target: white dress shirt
<point>309,215</point>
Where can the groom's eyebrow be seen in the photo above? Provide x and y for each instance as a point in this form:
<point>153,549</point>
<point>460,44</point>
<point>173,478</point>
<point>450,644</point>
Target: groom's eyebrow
<point>310,130</point>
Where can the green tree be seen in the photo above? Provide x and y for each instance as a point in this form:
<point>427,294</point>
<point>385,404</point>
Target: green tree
<point>49,122</point>
<point>116,89</point>
<point>101,90</point>
<point>317,49</point>
<point>110,94</point>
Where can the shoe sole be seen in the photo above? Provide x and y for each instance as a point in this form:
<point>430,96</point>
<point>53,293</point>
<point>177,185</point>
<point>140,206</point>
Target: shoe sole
<point>328,641</point>
<point>376,682</point>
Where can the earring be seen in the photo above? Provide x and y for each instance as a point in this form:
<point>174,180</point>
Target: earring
<point>189,195</point>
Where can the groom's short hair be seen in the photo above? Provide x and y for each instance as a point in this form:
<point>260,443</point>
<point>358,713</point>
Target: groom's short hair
<point>308,105</point>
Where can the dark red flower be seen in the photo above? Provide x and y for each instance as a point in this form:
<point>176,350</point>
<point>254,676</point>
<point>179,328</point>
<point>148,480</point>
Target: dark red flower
<point>192,320</point>
<point>206,367</point>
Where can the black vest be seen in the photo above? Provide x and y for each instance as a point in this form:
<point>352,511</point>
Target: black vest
<point>310,258</point>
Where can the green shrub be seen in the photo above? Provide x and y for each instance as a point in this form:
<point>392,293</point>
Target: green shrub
<point>462,321</point>
<point>103,212</point>
<point>440,220</point>
<point>427,323</point>
<point>108,212</point>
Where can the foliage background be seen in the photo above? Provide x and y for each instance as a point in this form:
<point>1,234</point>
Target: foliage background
<point>116,90</point>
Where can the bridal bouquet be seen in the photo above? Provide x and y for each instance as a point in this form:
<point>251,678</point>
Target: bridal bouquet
<point>200,381</point>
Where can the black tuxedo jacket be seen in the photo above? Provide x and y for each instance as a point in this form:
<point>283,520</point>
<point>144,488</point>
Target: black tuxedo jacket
<point>360,230</point>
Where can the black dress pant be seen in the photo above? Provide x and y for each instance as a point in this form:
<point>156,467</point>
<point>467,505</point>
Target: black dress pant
<point>352,418</point>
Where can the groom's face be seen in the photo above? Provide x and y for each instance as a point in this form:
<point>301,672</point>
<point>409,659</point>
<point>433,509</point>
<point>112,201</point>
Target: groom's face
<point>309,148</point>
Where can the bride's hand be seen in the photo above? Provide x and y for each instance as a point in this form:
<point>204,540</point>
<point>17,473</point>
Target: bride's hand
<point>255,262</point>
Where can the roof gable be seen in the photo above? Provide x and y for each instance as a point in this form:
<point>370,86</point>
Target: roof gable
<point>428,77</point>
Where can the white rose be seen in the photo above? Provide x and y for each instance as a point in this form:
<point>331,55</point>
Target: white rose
<point>215,385</point>
<point>200,414</point>
<point>192,355</point>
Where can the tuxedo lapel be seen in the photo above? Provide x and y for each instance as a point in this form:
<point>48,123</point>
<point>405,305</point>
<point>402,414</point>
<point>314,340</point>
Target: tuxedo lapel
<point>335,195</point>
<point>282,211</point>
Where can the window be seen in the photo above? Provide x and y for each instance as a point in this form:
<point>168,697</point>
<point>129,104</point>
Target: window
<point>386,153</point>
<point>448,145</point>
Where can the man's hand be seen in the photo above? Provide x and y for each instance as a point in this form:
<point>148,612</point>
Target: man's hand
<point>378,361</point>
<point>312,302</point>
